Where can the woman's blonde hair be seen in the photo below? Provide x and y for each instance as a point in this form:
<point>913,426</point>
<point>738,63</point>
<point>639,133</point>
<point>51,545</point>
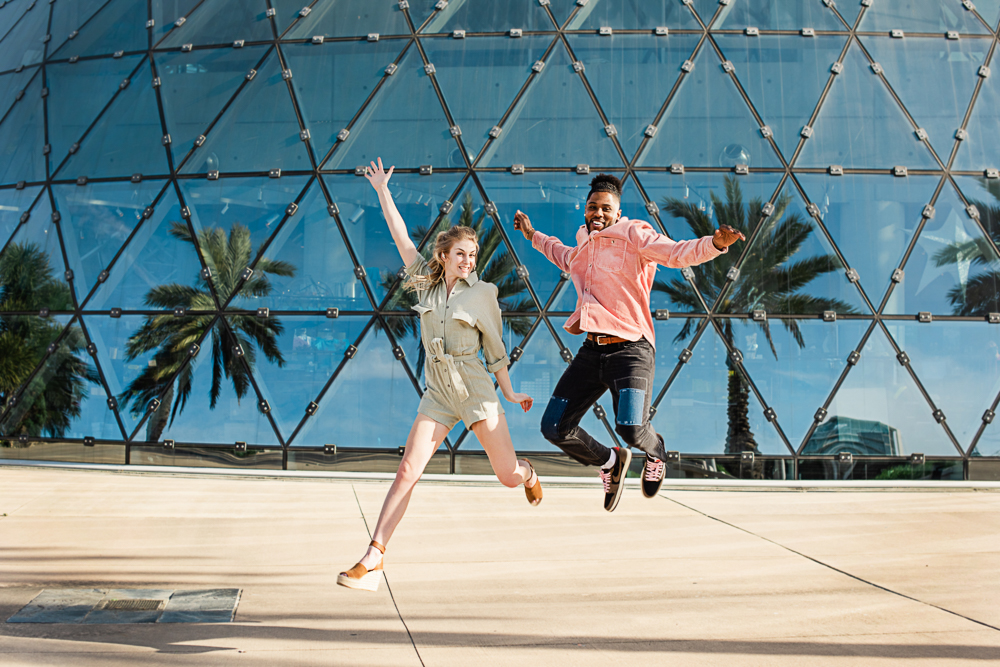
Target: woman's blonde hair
<point>442,246</point>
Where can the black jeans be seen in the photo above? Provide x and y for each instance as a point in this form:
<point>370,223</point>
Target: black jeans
<point>624,368</point>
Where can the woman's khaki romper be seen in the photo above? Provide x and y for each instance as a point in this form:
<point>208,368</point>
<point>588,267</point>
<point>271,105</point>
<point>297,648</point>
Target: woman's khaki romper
<point>453,331</point>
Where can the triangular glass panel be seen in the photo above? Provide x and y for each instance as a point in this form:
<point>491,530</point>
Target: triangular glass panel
<point>872,219</point>
<point>22,135</point>
<point>422,138</point>
<point>860,125</point>
<point>196,412</point>
<point>784,102</point>
<point>418,198</point>
<point>957,364</point>
<point>307,265</point>
<point>491,17</point>
<point>981,149</point>
<point>791,268</point>
<point>796,377</point>
<point>984,194</point>
<point>158,269</point>
<point>708,124</point>
<point>24,341</point>
<point>348,18</point>
<point>78,93</point>
<point>953,270</point>
<point>223,22</point>
<point>421,10</point>
<point>65,398</point>
<point>120,25</point>
<point>633,15</point>
<point>32,272</point>
<point>623,69</point>
<point>879,411</point>
<point>537,135</point>
<point>692,205</point>
<point>24,44</point>
<point>165,13</point>
<point>371,404</point>
<point>936,16</point>
<point>695,414</point>
<point>127,138</point>
<point>11,84</point>
<point>96,222</point>
<point>13,204</point>
<point>211,77</point>
<point>475,104</point>
<point>311,349</point>
<point>778,15</point>
<point>258,132</point>
<point>330,97</point>
<point>934,79</point>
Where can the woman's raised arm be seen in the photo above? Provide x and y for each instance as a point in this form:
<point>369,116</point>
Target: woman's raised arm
<point>379,178</point>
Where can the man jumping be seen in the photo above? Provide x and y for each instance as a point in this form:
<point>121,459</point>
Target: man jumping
<point>613,267</point>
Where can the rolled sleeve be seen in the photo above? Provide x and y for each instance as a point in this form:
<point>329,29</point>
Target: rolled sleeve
<point>418,267</point>
<point>490,325</point>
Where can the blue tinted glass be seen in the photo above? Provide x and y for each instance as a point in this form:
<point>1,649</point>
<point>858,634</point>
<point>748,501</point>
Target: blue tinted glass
<point>959,366</point>
<point>333,80</point>
<point>211,77</point>
<point>11,13</point>
<point>120,25</point>
<point>311,349</point>
<point>706,10</point>
<point>25,341</point>
<point>258,132</point>
<point>314,269</point>
<point>934,78</point>
<point>78,93</point>
<point>791,268</point>
<point>561,9</point>
<point>421,10</point>
<point>633,15</point>
<point>538,135</point>
<point>23,45</point>
<point>952,270</point>
<point>22,136</point>
<point>372,403</point>
<point>222,22</point>
<point>860,125</point>
<point>871,219</point>
<point>494,67</point>
<point>981,150</point>
<point>158,269</point>
<point>624,69</point>
<point>709,409</point>
<point>879,411</point>
<point>989,10</point>
<point>984,194</point>
<point>96,221</point>
<point>693,205</point>
<point>166,12</point>
<point>490,17</point>
<point>13,204</point>
<point>10,84</point>
<point>127,138</point>
<point>921,16</point>
<point>32,273</point>
<point>797,375</point>
<point>418,199</point>
<point>211,400</point>
<point>346,18</point>
<point>67,17</point>
<point>779,15</point>
<point>708,124</point>
<point>784,76</point>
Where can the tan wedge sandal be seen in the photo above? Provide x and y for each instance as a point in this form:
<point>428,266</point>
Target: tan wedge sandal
<point>534,493</point>
<point>360,577</point>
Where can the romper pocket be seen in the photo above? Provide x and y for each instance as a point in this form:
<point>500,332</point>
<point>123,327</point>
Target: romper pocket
<point>421,309</point>
<point>610,254</point>
<point>465,316</point>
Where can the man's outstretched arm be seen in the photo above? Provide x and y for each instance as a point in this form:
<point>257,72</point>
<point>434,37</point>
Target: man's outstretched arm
<point>553,249</point>
<point>656,247</point>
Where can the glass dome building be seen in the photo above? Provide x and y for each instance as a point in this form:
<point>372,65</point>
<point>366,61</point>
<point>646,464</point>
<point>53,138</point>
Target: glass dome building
<point>194,272</point>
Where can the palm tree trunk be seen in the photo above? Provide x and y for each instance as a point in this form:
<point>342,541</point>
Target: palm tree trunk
<point>739,438</point>
<point>158,422</point>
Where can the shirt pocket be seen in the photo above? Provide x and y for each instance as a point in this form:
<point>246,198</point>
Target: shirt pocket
<point>610,254</point>
<point>462,315</point>
<point>421,309</point>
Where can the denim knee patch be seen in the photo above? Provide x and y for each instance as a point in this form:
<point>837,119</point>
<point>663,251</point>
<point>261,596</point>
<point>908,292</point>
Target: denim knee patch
<point>553,415</point>
<point>630,407</point>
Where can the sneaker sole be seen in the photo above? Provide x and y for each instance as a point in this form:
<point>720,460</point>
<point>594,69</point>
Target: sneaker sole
<point>369,582</point>
<point>621,485</point>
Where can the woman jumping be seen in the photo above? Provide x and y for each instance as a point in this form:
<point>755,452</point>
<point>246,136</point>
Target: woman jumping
<point>459,316</point>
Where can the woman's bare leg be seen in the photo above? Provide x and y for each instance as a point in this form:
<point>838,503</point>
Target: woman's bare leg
<point>425,437</point>
<point>494,436</point>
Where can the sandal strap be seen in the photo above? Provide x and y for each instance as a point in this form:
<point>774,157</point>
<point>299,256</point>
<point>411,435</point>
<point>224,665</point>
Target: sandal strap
<point>378,546</point>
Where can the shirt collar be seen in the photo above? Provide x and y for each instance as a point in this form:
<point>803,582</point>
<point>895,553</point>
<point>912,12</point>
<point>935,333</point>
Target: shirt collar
<point>472,279</point>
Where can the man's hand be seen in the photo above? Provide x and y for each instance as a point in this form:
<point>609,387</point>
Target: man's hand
<point>726,236</point>
<point>522,223</point>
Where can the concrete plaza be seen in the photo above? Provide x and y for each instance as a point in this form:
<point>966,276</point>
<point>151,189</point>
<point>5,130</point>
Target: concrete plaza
<point>696,576</point>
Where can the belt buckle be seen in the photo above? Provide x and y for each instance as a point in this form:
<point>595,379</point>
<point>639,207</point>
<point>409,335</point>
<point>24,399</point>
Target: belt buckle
<point>599,337</point>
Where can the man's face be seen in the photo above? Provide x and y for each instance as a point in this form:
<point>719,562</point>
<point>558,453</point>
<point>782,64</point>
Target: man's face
<point>603,210</point>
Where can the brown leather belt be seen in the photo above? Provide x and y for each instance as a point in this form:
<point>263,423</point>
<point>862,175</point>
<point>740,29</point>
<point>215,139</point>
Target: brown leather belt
<point>602,339</point>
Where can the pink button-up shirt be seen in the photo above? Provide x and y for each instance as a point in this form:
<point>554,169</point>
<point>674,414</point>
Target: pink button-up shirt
<point>613,271</point>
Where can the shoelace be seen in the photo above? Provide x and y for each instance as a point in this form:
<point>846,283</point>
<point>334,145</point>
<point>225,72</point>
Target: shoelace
<point>606,478</point>
<point>654,470</point>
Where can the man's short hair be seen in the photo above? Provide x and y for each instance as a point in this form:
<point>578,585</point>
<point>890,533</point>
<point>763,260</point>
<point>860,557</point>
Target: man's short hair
<point>606,183</point>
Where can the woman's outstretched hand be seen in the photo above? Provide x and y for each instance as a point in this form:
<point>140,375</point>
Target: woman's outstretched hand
<point>376,175</point>
<point>523,225</point>
<point>525,400</point>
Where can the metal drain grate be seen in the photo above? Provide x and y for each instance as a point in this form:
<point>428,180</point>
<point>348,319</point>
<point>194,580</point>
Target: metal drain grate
<point>132,605</point>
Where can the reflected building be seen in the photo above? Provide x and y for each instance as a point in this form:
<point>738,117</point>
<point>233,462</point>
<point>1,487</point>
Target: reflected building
<point>194,271</point>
